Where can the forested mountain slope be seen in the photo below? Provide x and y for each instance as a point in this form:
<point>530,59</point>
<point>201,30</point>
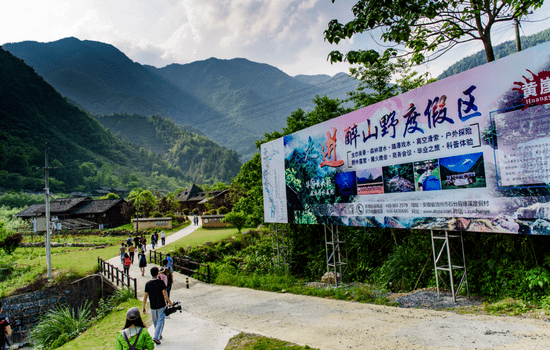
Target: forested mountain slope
<point>199,158</point>
<point>233,102</point>
<point>86,155</point>
<point>501,50</point>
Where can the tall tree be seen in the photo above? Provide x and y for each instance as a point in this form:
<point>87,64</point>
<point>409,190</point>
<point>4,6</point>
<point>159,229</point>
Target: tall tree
<point>425,27</point>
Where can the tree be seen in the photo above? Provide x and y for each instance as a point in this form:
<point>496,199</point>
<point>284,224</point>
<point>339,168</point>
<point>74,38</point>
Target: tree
<point>110,196</point>
<point>425,27</point>
<point>143,201</point>
<point>236,218</point>
<point>9,241</point>
<point>376,82</point>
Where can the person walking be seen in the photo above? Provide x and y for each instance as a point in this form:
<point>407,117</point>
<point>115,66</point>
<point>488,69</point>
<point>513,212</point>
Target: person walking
<point>153,242</point>
<point>163,237</point>
<point>142,260</point>
<point>127,263</point>
<point>122,252</point>
<point>134,335</point>
<point>131,252</point>
<point>5,330</point>
<point>155,289</point>
<point>170,262</point>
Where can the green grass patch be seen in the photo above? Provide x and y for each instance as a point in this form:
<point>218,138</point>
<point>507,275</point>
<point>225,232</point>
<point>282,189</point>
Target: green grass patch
<point>200,236</point>
<point>247,341</point>
<point>102,334</point>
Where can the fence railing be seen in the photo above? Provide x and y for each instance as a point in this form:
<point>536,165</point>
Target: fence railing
<point>182,265</point>
<point>113,273</point>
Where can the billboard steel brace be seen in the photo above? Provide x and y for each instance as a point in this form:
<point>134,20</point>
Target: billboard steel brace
<point>449,267</point>
<point>335,258</point>
<point>278,242</point>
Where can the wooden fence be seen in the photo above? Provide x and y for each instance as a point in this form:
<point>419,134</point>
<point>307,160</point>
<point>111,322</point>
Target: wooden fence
<point>185,266</point>
<point>113,273</point>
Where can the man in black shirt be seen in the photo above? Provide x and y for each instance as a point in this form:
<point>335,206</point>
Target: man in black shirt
<point>155,289</point>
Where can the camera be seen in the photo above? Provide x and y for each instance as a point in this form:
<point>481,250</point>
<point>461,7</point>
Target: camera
<point>175,307</point>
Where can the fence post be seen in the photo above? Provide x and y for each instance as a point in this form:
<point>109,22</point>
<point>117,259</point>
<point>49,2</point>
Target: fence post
<point>135,288</point>
<point>207,273</point>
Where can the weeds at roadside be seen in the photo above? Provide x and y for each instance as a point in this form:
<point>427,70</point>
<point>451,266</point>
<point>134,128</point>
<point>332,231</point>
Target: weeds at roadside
<point>247,341</point>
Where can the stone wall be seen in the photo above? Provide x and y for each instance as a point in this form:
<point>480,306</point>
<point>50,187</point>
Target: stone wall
<point>24,310</point>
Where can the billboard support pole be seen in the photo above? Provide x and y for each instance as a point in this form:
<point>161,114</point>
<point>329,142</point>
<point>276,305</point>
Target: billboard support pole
<point>278,242</point>
<point>335,258</point>
<point>449,267</point>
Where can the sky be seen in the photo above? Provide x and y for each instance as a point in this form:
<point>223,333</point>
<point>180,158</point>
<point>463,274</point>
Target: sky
<point>283,33</point>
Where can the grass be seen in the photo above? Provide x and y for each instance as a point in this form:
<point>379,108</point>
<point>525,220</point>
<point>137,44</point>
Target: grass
<point>247,341</point>
<point>102,335</point>
<point>29,263</point>
<point>200,236</point>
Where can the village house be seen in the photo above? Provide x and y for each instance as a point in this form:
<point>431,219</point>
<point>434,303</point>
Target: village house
<point>79,212</point>
<point>194,197</point>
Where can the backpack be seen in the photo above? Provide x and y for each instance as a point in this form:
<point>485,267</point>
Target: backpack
<point>132,347</point>
<point>127,261</point>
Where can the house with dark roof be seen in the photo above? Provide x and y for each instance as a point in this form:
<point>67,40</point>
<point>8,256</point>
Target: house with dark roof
<point>107,212</point>
<point>61,208</point>
<point>194,197</point>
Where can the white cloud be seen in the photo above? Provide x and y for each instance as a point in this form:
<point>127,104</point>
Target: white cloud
<point>285,33</point>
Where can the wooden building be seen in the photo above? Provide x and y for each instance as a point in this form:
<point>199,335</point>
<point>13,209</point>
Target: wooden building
<point>194,197</point>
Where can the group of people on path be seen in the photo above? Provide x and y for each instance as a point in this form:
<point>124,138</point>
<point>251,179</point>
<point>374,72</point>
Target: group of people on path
<point>139,244</point>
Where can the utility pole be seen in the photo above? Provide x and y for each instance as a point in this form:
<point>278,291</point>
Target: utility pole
<point>518,39</point>
<point>47,190</point>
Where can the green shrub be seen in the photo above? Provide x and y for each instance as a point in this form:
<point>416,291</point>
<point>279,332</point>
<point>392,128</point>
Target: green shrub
<point>61,325</point>
<point>185,211</point>
<point>222,210</point>
<point>237,219</point>
<point>212,212</point>
<point>9,241</point>
<point>195,211</point>
<point>156,214</point>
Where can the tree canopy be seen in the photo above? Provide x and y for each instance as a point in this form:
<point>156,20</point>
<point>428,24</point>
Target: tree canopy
<point>426,28</point>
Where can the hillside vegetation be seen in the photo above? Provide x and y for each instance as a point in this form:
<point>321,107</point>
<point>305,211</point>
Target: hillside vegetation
<point>502,50</point>
<point>33,116</point>
<point>233,102</point>
<point>201,159</point>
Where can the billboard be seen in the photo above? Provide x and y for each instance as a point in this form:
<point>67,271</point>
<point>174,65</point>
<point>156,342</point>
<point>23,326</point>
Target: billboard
<point>469,152</point>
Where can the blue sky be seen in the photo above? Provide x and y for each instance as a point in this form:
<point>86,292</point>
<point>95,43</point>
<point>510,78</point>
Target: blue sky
<point>283,33</point>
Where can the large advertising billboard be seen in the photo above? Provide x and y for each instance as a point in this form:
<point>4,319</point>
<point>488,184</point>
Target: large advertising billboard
<point>469,152</point>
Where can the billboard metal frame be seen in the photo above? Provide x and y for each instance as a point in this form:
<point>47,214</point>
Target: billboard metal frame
<point>440,266</point>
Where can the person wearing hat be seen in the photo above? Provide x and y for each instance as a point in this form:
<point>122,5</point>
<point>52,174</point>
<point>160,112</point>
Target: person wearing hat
<point>134,335</point>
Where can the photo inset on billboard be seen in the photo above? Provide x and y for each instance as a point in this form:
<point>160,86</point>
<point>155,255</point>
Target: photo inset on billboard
<point>370,181</point>
<point>427,176</point>
<point>398,178</point>
<point>464,171</point>
<point>345,184</point>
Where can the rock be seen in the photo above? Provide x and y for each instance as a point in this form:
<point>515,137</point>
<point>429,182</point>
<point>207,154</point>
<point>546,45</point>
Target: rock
<point>535,211</point>
<point>328,278</point>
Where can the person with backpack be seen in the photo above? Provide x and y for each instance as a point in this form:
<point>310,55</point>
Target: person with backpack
<point>5,330</point>
<point>127,263</point>
<point>134,336</point>
<point>142,262</point>
<point>131,252</point>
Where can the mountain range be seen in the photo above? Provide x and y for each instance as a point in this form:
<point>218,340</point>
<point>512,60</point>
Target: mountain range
<point>83,154</point>
<point>233,102</point>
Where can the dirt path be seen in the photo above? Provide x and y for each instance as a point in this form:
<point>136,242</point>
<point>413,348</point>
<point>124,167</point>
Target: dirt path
<point>213,314</point>
<point>334,324</point>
